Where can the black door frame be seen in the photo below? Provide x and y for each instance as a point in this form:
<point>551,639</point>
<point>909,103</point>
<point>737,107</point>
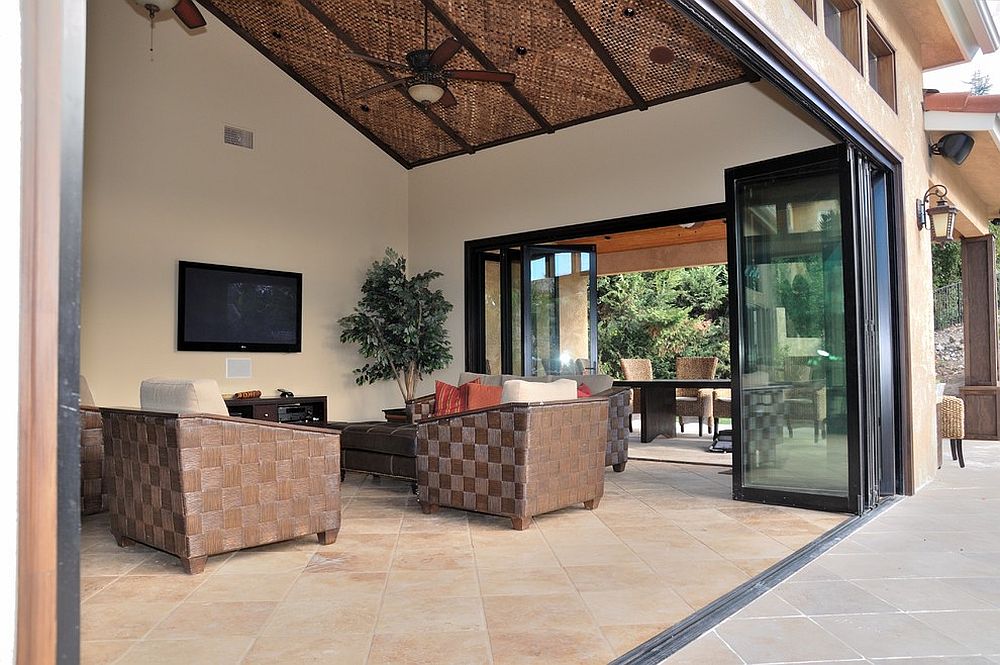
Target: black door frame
<point>475,314</point>
<point>834,160</point>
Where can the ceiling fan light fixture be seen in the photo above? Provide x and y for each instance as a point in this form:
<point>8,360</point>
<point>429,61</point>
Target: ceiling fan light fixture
<point>155,6</point>
<point>425,93</point>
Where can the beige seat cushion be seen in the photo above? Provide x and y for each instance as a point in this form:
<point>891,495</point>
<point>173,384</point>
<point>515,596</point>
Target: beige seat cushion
<point>182,396</point>
<point>516,390</point>
<point>86,397</point>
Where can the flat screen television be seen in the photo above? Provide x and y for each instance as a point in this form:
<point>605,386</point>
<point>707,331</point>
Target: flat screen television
<point>225,308</point>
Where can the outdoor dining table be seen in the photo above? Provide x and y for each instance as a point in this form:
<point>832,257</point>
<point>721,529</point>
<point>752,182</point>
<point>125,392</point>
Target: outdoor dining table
<point>658,403</point>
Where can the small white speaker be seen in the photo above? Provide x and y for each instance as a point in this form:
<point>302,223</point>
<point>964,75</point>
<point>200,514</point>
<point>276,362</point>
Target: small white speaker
<point>239,368</point>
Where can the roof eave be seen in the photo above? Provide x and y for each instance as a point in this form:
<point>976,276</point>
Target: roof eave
<point>972,25</point>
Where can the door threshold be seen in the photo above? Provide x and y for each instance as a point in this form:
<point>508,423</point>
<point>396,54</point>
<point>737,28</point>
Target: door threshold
<point>678,636</point>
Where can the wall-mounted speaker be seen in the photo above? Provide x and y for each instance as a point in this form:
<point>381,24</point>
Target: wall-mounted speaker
<point>239,368</point>
<point>955,147</point>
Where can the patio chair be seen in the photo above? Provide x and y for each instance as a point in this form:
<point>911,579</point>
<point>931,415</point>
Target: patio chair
<point>806,399</point>
<point>186,478</point>
<point>695,402</point>
<point>514,460</point>
<point>636,369</point>
<point>951,426</point>
<point>93,497</point>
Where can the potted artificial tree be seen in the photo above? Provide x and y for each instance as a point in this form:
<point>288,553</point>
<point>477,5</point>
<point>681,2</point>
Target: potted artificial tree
<point>399,325</point>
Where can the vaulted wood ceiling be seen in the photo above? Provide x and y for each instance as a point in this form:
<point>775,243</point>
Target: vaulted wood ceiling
<point>579,60</point>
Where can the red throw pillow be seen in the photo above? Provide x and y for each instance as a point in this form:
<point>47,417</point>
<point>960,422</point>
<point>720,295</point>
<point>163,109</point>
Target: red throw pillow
<point>449,399</point>
<point>583,390</point>
<point>481,397</point>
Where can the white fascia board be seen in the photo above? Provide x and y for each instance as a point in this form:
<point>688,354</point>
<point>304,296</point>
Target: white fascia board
<point>947,121</point>
<point>972,25</point>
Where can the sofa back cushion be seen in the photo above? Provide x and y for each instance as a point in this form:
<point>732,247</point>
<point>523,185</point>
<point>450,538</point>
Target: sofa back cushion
<point>86,397</point>
<point>182,396</point>
<point>482,397</point>
<point>516,390</point>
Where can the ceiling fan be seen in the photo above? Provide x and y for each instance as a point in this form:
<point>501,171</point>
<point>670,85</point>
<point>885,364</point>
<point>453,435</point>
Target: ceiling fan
<point>186,11</point>
<point>427,79</point>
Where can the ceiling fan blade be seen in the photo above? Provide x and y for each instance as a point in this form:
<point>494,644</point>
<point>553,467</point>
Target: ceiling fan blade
<point>470,75</point>
<point>189,14</point>
<point>379,88</point>
<point>378,62</point>
<point>447,99</point>
<point>445,51</point>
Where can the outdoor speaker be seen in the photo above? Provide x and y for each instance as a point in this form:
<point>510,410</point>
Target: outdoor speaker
<point>955,147</point>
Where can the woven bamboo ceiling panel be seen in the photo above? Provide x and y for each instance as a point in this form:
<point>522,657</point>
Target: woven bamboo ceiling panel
<point>574,60</point>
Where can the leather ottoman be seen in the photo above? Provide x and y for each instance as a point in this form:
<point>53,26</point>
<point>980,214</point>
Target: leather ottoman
<point>378,448</point>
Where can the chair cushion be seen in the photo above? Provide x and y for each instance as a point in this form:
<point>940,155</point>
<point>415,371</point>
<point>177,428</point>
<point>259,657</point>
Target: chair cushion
<point>86,397</point>
<point>481,397</point>
<point>532,391</point>
<point>182,396</point>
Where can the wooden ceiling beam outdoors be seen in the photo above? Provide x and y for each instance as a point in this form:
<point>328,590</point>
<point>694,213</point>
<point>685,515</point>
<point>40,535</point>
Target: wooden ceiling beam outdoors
<point>609,62</point>
<point>349,41</point>
<point>485,61</point>
<point>664,236</point>
<point>295,76</point>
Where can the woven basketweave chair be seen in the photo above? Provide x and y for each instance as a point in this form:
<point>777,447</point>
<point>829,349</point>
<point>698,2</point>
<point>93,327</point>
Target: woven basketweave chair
<point>806,399</point>
<point>93,498</point>
<point>636,369</point>
<point>198,484</point>
<point>619,422</point>
<point>951,426</point>
<point>722,406</point>
<point>695,402</point>
<point>515,460</point>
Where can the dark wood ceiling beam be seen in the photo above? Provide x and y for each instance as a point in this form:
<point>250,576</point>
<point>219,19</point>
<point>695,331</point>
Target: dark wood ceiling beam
<point>353,45</point>
<point>485,61</point>
<point>295,76</point>
<point>609,63</point>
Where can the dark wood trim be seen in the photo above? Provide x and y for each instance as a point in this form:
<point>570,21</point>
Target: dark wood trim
<point>48,601</point>
<point>609,63</point>
<point>485,61</point>
<point>309,87</point>
<point>750,77</point>
<point>353,45</point>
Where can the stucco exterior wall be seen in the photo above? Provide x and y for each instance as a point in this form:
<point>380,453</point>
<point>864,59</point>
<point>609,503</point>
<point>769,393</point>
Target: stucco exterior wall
<point>903,129</point>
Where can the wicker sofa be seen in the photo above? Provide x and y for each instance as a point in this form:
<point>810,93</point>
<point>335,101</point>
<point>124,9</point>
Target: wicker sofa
<point>514,460</point>
<point>197,484</point>
<point>600,385</point>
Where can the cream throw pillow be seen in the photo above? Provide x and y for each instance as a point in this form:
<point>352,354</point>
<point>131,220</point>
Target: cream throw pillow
<point>182,396</point>
<point>516,390</point>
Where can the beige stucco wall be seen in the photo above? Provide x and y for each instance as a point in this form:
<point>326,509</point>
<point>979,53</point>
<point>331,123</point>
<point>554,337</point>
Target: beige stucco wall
<point>314,196</point>
<point>904,130</point>
<point>671,156</point>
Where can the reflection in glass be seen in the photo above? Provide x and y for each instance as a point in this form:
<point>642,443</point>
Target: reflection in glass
<point>493,313</point>
<point>560,313</point>
<point>794,368</point>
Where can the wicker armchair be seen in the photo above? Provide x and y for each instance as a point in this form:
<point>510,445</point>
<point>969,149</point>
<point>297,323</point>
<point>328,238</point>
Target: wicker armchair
<point>93,498</point>
<point>722,406</point>
<point>194,485</point>
<point>951,426</point>
<point>619,422</point>
<point>695,402</point>
<point>515,460</point>
<point>636,369</point>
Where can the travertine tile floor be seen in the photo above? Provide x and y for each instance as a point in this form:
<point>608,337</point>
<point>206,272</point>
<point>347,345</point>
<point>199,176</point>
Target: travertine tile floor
<point>918,584</point>
<point>455,587</point>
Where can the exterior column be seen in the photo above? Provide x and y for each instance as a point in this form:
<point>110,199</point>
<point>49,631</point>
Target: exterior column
<point>982,373</point>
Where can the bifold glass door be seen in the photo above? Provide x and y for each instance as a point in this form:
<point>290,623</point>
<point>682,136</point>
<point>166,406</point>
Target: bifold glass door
<point>803,361</point>
<point>537,311</point>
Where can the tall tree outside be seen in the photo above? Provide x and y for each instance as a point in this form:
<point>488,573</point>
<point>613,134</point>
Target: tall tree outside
<point>979,84</point>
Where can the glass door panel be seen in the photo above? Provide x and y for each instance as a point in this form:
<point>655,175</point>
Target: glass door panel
<point>559,309</point>
<point>492,310</point>
<point>796,419</point>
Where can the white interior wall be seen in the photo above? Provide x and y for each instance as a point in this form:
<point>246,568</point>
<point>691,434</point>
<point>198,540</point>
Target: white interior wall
<point>670,156</point>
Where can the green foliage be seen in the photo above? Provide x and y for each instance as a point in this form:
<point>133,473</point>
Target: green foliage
<point>946,263</point>
<point>979,84</point>
<point>399,323</point>
<point>661,315</point>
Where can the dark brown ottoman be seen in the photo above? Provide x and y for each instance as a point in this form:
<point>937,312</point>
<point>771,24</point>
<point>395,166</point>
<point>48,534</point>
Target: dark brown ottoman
<point>378,448</point>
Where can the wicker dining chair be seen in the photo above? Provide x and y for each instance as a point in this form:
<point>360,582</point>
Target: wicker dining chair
<point>722,406</point>
<point>636,369</point>
<point>951,426</point>
<point>695,402</point>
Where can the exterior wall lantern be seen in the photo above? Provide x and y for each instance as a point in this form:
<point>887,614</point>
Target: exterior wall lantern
<point>940,216</point>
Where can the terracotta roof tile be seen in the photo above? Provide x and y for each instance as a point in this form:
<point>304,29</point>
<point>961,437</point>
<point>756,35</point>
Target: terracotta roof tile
<point>961,102</point>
